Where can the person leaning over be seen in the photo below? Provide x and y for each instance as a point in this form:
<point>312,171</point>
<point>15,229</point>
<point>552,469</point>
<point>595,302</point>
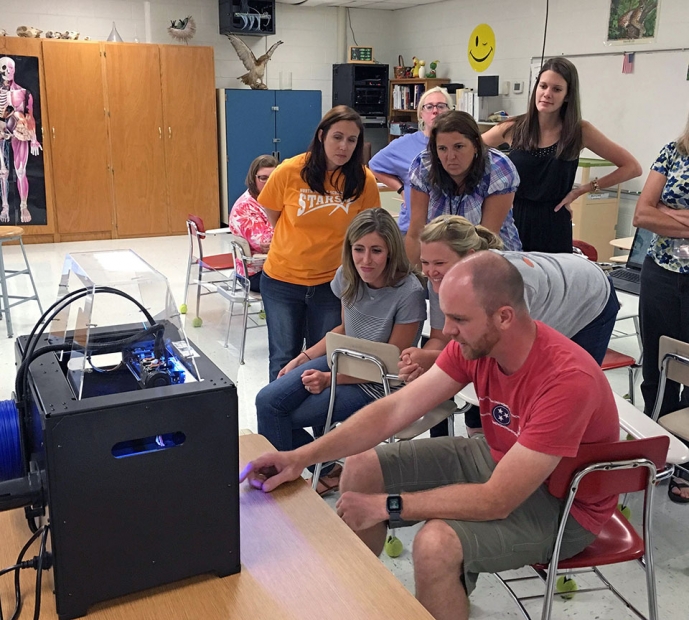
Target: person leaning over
<point>541,397</point>
<point>458,175</point>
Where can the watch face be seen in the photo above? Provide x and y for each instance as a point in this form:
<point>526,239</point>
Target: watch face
<point>394,503</point>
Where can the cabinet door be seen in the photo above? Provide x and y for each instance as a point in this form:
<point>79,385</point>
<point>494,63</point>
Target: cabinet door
<point>190,134</point>
<point>298,115</point>
<point>250,133</point>
<point>78,135</point>
<point>136,138</point>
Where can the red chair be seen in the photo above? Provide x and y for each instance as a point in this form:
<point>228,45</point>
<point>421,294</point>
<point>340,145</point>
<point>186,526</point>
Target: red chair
<point>614,359</point>
<point>604,469</point>
<point>197,233</point>
<point>586,249</point>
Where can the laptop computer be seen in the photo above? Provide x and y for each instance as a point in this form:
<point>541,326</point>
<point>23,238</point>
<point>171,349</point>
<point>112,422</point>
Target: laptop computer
<point>627,278</point>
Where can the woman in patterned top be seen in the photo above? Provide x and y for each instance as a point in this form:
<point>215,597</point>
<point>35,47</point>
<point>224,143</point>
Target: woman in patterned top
<point>382,300</point>
<point>545,145</point>
<point>663,208</point>
<point>458,175</point>
<point>249,220</point>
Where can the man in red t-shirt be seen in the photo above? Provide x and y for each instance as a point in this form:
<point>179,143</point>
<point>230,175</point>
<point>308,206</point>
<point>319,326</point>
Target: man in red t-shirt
<point>485,501</point>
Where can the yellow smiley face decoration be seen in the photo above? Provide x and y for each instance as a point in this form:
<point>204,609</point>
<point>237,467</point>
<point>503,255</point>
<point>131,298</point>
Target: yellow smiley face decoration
<point>481,47</point>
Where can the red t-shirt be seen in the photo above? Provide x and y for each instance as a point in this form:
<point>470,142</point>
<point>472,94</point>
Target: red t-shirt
<point>556,401</point>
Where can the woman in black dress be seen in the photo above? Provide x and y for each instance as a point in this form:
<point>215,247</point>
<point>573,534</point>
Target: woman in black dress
<point>545,145</point>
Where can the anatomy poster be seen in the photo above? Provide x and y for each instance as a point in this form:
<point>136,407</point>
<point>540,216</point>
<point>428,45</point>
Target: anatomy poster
<point>632,21</point>
<point>22,179</point>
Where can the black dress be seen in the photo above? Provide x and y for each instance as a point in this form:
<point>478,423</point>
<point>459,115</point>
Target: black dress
<point>544,181</point>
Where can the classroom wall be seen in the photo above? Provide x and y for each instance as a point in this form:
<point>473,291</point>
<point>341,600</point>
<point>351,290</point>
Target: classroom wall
<point>309,34</point>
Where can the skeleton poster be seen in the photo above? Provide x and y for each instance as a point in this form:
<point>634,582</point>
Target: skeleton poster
<point>22,180</point>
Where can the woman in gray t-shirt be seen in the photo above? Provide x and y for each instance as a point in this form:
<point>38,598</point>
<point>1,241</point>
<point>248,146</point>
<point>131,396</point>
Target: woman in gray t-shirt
<point>565,291</point>
<point>382,300</point>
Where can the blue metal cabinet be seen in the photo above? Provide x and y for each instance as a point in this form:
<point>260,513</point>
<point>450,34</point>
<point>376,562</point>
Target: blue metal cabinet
<point>261,122</point>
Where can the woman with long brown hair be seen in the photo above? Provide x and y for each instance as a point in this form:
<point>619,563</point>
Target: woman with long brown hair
<point>545,146</point>
<point>311,199</point>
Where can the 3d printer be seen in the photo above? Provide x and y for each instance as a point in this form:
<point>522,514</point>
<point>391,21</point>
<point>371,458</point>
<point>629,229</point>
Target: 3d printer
<point>124,434</point>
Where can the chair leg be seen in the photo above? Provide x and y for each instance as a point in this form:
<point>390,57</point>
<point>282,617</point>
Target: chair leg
<point>5,296</point>
<point>229,325</point>
<point>198,290</point>
<point>28,269</point>
<point>186,283</point>
<point>244,322</point>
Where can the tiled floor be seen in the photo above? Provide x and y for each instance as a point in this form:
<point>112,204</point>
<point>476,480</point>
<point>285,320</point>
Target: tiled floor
<point>489,602</point>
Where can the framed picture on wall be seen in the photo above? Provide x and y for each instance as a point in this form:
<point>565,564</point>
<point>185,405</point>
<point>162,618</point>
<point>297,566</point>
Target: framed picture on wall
<point>22,178</point>
<point>632,21</point>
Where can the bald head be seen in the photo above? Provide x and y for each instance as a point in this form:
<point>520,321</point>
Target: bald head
<point>493,279</point>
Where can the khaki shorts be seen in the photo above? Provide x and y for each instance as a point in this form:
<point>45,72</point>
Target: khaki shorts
<point>525,537</point>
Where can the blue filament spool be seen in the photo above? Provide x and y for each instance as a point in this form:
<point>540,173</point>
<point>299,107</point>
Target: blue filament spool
<point>10,443</point>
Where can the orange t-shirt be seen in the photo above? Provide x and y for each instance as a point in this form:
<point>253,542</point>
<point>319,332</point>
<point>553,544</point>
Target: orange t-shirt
<point>307,244</point>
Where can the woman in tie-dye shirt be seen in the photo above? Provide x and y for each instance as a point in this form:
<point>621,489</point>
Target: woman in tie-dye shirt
<point>249,220</point>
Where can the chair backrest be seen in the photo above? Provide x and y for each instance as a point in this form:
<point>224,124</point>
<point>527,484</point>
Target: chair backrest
<point>195,226</point>
<point>387,354</point>
<point>240,259</point>
<point>246,249</point>
<point>677,370</point>
<point>614,481</point>
<point>586,249</point>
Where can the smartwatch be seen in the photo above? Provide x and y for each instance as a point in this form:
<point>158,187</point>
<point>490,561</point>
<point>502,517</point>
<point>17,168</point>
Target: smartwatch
<point>401,189</point>
<point>393,503</point>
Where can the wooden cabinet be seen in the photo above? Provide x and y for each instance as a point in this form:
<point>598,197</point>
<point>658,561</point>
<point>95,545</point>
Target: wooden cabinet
<point>594,216</point>
<point>190,134</point>
<point>135,106</point>
<point>78,137</point>
<point>129,137</point>
<point>404,97</point>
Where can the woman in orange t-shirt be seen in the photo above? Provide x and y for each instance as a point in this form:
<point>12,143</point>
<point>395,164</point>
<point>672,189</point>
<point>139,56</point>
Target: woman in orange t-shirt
<point>311,199</point>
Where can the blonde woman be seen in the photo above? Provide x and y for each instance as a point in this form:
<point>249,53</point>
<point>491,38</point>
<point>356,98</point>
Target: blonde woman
<point>391,164</point>
<point>381,300</point>
<point>565,291</point>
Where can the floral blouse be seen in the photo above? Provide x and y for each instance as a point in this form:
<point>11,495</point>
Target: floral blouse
<point>249,220</point>
<point>675,167</point>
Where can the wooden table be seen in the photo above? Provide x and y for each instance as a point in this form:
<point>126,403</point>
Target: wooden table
<point>299,562</point>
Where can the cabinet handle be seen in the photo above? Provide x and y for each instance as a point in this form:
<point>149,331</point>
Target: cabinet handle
<point>169,132</point>
<point>53,133</point>
<point>160,133</point>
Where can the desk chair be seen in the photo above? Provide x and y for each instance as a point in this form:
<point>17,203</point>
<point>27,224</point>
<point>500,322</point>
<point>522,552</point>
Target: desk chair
<point>673,359</point>
<point>604,469</point>
<point>370,361</point>
<point>216,263</point>
<point>239,293</point>
<point>8,234</point>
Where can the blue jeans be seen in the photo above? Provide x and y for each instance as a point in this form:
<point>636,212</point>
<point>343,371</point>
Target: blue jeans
<point>595,337</point>
<point>284,408</point>
<point>295,313</point>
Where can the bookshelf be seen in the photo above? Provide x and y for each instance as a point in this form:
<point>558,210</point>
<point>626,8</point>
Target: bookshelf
<point>404,97</point>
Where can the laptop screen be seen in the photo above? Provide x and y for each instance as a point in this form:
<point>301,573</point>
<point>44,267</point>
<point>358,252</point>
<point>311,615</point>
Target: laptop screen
<point>640,245</point>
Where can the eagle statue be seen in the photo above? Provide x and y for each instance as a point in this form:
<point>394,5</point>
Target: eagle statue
<point>256,67</point>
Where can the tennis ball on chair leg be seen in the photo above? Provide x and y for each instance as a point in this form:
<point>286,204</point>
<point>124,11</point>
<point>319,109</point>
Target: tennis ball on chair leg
<point>197,322</point>
<point>393,546</point>
<point>183,309</point>
<point>567,586</point>
<point>625,510</point>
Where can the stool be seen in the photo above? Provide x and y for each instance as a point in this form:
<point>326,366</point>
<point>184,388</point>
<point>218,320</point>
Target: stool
<point>13,233</point>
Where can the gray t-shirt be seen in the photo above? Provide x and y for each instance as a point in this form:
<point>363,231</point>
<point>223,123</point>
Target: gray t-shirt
<point>376,311</point>
<point>565,291</point>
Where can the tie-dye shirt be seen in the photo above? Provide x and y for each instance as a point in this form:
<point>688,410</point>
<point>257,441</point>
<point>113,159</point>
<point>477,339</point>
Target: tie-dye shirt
<point>249,220</point>
<point>675,167</point>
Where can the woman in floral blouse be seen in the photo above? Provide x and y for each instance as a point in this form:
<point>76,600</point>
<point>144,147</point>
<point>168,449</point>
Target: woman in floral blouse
<point>248,219</point>
<point>663,208</point>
